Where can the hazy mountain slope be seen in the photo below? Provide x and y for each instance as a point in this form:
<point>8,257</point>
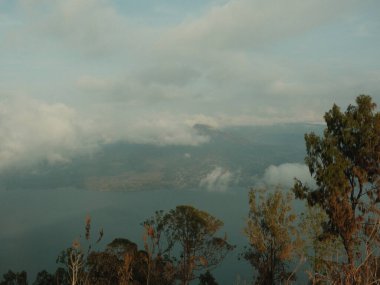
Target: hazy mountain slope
<point>238,153</point>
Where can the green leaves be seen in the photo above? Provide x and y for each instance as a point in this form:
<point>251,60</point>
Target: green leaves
<point>273,236</point>
<point>190,234</point>
<point>345,163</point>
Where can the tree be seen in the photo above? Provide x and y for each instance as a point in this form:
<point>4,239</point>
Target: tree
<point>103,268</point>
<point>207,279</point>
<point>158,260</point>
<point>61,276</point>
<point>190,233</point>
<point>125,252</point>
<point>122,263</point>
<point>44,278</point>
<point>273,236</point>
<point>74,258</point>
<point>323,250</point>
<point>12,278</point>
<point>345,163</point>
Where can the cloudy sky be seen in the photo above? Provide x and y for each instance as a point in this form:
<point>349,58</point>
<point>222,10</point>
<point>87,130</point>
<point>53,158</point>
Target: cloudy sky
<point>76,74</point>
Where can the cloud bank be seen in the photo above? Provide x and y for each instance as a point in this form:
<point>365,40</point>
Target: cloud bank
<point>34,131</point>
<point>283,175</point>
<point>218,180</point>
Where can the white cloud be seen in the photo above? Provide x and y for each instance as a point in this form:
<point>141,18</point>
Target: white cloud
<point>159,129</point>
<point>131,78</point>
<point>215,64</point>
<point>242,24</point>
<point>284,174</point>
<point>129,88</point>
<point>34,131</point>
<point>218,180</point>
<point>92,27</point>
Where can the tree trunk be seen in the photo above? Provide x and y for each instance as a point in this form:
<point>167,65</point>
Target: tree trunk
<point>350,270</point>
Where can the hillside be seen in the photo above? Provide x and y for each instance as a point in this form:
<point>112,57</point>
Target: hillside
<point>233,156</point>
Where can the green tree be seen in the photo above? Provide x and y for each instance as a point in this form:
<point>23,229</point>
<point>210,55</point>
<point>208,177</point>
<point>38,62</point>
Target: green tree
<point>14,278</point>
<point>122,263</point>
<point>44,278</point>
<point>191,235</point>
<point>125,252</point>
<point>273,236</point>
<point>345,163</point>
<point>323,250</point>
<point>158,262</point>
<point>61,276</point>
<point>207,279</point>
<point>103,268</point>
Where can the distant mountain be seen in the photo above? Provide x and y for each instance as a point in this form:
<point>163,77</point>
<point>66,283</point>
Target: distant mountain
<point>233,156</point>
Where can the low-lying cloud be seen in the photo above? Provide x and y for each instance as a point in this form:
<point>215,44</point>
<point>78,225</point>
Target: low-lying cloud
<point>283,175</point>
<point>218,180</point>
<point>34,131</point>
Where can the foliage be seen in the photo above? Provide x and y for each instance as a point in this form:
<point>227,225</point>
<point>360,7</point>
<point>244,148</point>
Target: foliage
<point>44,278</point>
<point>125,252</point>
<point>207,279</point>
<point>345,163</point>
<point>273,236</point>
<point>190,233</point>
<point>322,250</point>
<point>158,261</point>
<point>14,278</point>
<point>122,263</point>
<point>61,276</point>
<point>74,258</point>
<point>103,268</point>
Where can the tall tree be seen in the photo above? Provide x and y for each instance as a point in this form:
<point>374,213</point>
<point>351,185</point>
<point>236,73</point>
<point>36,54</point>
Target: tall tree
<point>273,236</point>
<point>345,163</point>
<point>44,278</point>
<point>322,250</point>
<point>191,233</point>
<point>158,262</point>
<point>125,252</point>
<point>74,258</point>
<point>104,268</point>
<point>61,276</point>
<point>207,279</point>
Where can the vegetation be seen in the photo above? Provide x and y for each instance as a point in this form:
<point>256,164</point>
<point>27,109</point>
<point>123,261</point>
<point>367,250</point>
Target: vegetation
<point>190,233</point>
<point>338,233</point>
<point>323,251</point>
<point>14,278</point>
<point>273,237</point>
<point>180,245</point>
<point>74,259</point>
<point>345,163</point>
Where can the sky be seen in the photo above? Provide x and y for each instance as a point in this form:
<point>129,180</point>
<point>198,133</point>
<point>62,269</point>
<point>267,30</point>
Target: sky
<point>78,74</point>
